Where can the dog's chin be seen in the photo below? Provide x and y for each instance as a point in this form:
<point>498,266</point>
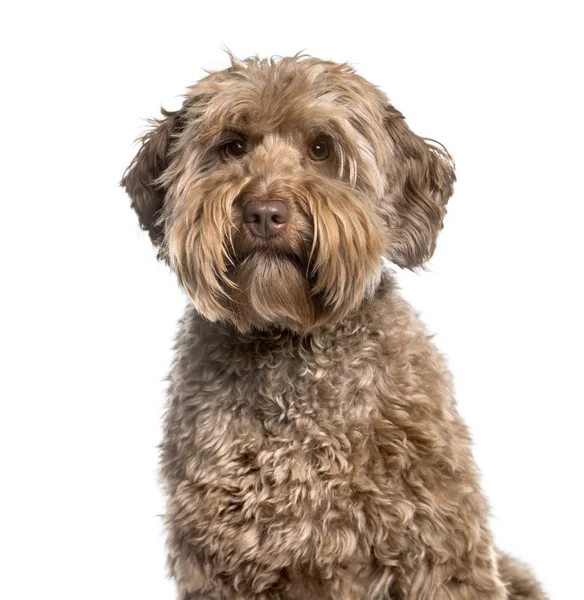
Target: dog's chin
<point>271,290</point>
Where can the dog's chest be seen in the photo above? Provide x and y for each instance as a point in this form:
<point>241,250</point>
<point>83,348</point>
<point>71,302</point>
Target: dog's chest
<point>272,455</point>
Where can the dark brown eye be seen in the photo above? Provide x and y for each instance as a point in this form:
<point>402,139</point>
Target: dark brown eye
<point>319,150</point>
<point>234,149</point>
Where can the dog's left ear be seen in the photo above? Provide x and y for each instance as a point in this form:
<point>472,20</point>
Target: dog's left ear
<point>140,179</point>
<point>420,182</point>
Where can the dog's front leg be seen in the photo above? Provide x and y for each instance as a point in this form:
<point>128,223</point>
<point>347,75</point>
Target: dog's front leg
<point>463,578</point>
<point>443,548</point>
<point>483,584</point>
<point>199,577</point>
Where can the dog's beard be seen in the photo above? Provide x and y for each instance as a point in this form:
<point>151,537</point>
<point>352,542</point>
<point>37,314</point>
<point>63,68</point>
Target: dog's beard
<point>271,289</point>
<point>320,284</point>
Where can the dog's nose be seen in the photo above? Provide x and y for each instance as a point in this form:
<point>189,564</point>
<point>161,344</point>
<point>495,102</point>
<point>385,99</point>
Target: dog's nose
<point>265,219</point>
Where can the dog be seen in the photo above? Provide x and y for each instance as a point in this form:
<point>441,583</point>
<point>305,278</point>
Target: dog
<point>312,447</point>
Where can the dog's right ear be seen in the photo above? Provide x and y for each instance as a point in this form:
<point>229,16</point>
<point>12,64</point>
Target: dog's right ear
<point>140,180</point>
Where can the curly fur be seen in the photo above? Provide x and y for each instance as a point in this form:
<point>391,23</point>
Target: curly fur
<point>312,446</point>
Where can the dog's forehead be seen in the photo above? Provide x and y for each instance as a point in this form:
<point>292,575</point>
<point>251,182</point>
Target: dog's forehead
<point>288,94</point>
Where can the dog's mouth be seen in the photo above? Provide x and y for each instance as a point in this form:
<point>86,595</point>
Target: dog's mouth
<point>291,247</point>
<point>270,254</point>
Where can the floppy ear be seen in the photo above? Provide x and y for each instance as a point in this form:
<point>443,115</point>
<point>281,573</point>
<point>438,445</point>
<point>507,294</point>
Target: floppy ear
<point>421,181</point>
<point>140,179</point>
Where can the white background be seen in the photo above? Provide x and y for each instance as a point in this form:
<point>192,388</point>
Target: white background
<point>87,314</point>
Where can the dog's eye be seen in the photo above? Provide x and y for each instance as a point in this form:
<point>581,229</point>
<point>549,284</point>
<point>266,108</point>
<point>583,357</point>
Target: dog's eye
<point>319,150</point>
<point>234,149</point>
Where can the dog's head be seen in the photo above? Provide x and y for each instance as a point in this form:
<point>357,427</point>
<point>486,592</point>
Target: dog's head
<point>279,185</point>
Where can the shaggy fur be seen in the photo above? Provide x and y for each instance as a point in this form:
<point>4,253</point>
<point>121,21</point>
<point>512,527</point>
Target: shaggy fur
<point>312,446</point>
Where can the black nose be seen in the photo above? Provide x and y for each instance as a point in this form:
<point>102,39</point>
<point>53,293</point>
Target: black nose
<point>265,219</point>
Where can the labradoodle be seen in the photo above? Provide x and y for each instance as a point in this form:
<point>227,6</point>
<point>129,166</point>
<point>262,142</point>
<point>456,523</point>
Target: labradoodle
<point>312,446</point>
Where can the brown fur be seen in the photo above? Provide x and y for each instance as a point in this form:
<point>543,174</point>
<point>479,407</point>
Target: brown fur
<point>312,446</point>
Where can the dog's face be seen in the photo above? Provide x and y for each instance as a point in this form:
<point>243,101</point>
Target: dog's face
<point>278,186</point>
